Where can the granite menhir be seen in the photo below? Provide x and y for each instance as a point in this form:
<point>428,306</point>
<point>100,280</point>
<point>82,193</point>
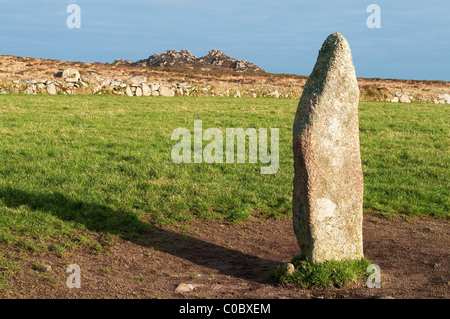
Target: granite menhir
<point>328,180</point>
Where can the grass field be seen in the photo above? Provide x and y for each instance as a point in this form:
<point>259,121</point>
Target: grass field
<point>71,165</point>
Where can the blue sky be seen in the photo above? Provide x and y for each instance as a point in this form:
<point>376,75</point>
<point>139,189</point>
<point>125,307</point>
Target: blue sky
<point>281,36</point>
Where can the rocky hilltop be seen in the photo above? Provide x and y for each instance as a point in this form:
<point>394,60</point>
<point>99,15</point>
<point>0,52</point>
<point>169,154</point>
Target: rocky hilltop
<point>214,60</point>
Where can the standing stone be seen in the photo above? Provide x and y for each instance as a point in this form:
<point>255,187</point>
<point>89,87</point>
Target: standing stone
<point>138,91</point>
<point>328,181</point>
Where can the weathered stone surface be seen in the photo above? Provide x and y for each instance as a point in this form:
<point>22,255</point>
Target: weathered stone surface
<point>287,269</point>
<point>92,77</point>
<point>155,86</point>
<point>165,91</point>
<point>146,91</point>
<point>45,268</point>
<point>443,98</point>
<point>51,89</point>
<point>128,91</point>
<point>276,94</point>
<point>182,288</point>
<point>405,99</point>
<point>115,83</point>
<point>71,75</point>
<point>31,89</point>
<point>138,91</point>
<point>328,181</point>
<point>137,80</point>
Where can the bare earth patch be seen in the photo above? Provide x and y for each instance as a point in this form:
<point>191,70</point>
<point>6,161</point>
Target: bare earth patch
<point>231,261</point>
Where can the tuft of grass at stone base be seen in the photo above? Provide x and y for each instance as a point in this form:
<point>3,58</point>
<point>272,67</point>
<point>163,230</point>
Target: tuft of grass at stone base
<point>329,274</point>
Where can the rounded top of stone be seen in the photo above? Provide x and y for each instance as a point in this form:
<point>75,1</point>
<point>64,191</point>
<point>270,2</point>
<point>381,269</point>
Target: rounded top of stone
<point>335,44</point>
<point>336,34</point>
<point>334,67</point>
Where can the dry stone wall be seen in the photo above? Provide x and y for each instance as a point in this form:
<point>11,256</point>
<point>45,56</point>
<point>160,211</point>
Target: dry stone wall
<point>70,81</point>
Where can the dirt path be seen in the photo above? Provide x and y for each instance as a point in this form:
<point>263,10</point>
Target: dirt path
<point>231,261</point>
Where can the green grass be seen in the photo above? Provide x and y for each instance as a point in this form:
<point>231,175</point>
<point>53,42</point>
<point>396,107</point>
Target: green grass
<point>7,268</point>
<point>405,156</point>
<point>76,164</point>
<point>328,274</point>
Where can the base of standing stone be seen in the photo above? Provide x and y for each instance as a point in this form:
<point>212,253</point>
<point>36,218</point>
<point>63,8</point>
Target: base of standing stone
<point>322,275</point>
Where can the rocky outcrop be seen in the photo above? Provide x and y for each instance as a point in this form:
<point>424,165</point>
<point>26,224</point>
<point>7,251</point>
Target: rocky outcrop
<point>215,59</point>
<point>218,58</point>
<point>122,62</point>
<point>170,58</point>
